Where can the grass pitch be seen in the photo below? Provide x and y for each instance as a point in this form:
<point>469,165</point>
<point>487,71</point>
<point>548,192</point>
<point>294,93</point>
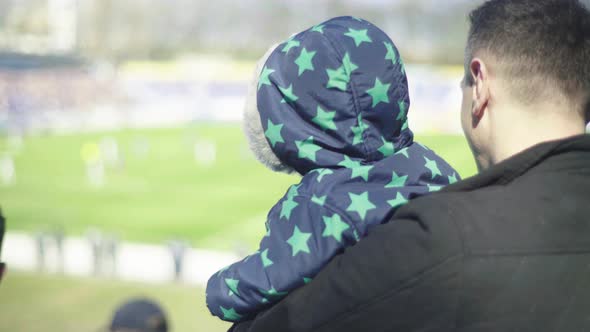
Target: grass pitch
<point>41,303</point>
<point>158,190</point>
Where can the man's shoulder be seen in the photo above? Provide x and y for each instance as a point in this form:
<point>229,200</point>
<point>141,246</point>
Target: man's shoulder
<point>450,220</point>
<point>542,210</point>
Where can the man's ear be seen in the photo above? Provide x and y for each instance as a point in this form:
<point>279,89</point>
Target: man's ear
<point>481,87</point>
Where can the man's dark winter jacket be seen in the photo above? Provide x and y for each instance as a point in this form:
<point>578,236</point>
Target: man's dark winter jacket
<point>507,250</point>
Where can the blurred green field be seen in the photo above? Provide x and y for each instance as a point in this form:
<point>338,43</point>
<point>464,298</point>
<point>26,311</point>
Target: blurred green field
<point>163,193</point>
<point>35,303</point>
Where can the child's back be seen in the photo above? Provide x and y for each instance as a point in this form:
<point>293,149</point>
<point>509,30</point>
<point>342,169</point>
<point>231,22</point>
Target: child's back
<point>333,104</point>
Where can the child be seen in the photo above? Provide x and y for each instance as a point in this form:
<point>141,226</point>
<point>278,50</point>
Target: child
<point>331,104</point>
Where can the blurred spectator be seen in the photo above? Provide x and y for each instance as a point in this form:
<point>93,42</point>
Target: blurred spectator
<point>95,238</point>
<point>58,235</point>
<point>7,170</point>
<point>110,246</point>
<point>178,249</point>
<point>92,157</point>
<point>41,244</point>
<point>139,315</point>
<point>109,149</point>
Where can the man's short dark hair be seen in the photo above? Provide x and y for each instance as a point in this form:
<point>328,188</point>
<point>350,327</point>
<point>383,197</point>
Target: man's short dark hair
<point>536,44</point>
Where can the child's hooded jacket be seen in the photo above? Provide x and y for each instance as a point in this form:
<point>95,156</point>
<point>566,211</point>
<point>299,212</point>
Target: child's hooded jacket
<point>333,101</point>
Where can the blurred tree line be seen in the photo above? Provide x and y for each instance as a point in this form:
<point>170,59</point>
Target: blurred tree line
<point>118,30</point>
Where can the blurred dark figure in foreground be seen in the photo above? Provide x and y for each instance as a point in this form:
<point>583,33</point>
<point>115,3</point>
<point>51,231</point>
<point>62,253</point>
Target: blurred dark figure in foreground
<point>139,315</point>
<point>2,230</point>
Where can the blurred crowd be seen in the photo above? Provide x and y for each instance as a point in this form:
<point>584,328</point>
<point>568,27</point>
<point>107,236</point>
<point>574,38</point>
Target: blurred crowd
<point>31,96</point>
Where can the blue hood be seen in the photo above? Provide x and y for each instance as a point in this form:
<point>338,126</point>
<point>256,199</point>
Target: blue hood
<point>337,89</point>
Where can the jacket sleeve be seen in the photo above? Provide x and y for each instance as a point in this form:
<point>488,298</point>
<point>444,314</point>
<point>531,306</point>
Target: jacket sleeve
<point>402,277</point>
<point>303,234</point>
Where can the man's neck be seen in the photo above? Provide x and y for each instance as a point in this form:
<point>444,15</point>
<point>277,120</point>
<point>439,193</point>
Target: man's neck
<point>527,129</point>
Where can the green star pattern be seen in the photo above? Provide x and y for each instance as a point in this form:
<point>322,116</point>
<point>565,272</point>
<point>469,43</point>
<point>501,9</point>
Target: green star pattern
<point>387,149</point>
<point>358,170</point>
<point>390,53</point>
<point>405,125</point>
<point>404,151</point>
<point>335,227</point>
<point>266,262</point>
<point>298,241</point>
<point>361,172</point>
<point>453,178</point>
<point>340,77</point>
<point>359,36</point>
<point>267,230</point>
<point>403,108</point>
<point>337,78</point>
<point>264,78</point>
<point>323,172</point>
<point>288,94</point>
<point>304,61</point>
<point>398,201</point>
<point>349,163</point>
<point>349,66</point>
<point>360,204</point>
<point>379,92</point>
<point>433,188</point>
<point>289,45</point>
<point>319,200</point>
<point>273,133</point>
<point>325,119</point>
<point>232,284</point>
<point>307,280</point>
<point>287,207</point>
<point>273,293</point>
<point>230,314</point>
<point>318,28</point>
<point>433,167</point>
<point>307,149</point>
<point>358,131</point>
<point>397,181</point>
<point>293,191</point>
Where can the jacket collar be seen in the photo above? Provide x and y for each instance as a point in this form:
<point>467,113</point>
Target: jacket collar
<point>514,167</point>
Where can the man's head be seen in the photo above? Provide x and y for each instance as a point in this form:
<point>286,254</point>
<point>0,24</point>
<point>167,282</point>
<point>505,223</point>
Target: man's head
<point>527,75</point>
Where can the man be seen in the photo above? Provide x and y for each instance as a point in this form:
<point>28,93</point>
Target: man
<point>509,249</point>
